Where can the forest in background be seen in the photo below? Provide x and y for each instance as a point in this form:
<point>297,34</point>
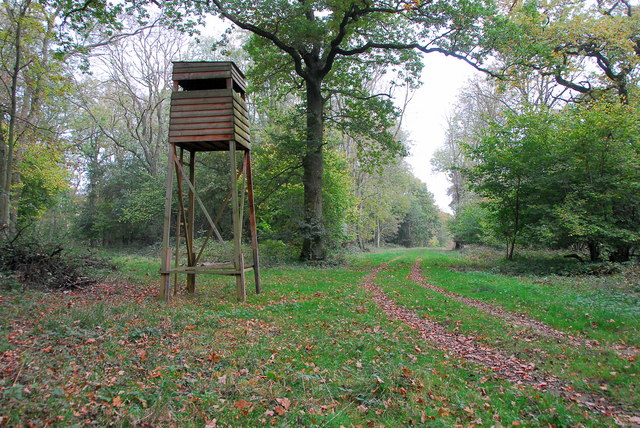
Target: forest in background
<point>542,152</point>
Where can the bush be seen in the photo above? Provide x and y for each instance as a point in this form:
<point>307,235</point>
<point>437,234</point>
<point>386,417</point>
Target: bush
<point>273,252</point>
<point>535,263</point>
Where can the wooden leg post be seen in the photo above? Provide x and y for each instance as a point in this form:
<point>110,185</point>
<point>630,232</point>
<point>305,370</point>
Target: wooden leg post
<point>178,238</point>
<point>165,283</point>
<point>237,226</point>
<point>191,277</point>
<point>252,222</point>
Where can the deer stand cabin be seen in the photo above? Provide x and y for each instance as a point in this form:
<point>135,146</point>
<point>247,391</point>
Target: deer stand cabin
<point>208,113</point>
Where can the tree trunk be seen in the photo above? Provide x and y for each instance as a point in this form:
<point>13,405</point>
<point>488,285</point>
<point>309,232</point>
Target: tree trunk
<point>622,253</point>
<point>6,161</point>
<point>594,251</point>
<point>312,163</point>
<point>511,244</point>
<point>4,197</point>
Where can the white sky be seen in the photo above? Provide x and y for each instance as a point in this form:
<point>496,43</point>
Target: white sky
<point>425,115</point>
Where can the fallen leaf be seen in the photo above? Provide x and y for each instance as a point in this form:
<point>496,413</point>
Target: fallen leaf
<point>242,404</point>
<point>279,410</point>
<point>284,402</point>
<point>117,401</point>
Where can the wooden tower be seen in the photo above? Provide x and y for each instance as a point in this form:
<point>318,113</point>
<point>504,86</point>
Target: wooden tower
<point>208,113</point>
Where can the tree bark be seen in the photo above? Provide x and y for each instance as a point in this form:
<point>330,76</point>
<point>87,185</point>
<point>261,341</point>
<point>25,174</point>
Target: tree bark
<point>7,160</point>
<point>313,165</point>
<point>621,253</point>
<point>4,197</point>
<point>594,251</point>
<point>511,243</point>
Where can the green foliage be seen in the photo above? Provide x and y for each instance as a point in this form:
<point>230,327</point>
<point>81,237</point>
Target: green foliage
<point>511,172</point>
<point>279,192</point>
<point>44,178</point>
<point>420,223</point>
<point>338,191</point>
<point>564,177</point>
<point>276,253</point>
<point>124,206</point>
<point>599,171</point>
<point>590,48</point>
<point>468,224</point>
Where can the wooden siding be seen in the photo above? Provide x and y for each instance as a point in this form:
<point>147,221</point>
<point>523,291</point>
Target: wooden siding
<point>206,120</point>
<point>208,70</point>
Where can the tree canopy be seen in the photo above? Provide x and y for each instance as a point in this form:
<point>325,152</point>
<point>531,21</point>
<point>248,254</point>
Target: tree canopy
<point>322,49</point>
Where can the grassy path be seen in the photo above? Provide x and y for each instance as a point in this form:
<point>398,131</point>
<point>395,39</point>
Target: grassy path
<point>519,319</point>
<point>471,349</point>
<point>315,349</point>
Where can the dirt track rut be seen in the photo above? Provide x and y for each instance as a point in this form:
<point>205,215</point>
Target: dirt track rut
<point>506,366</point>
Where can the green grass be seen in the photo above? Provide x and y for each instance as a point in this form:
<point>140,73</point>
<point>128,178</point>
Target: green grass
<point>573,365</point>
<point>311,350</point>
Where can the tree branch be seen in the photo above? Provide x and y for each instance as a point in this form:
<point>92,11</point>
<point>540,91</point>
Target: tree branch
<point>399,46</point>
<point>297,59</point>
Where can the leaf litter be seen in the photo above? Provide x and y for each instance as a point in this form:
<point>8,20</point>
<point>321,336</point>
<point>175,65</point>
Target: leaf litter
<point>509,367</point>
<point>518,319</point>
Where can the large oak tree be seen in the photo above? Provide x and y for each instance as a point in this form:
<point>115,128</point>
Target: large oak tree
<point>318,40</point>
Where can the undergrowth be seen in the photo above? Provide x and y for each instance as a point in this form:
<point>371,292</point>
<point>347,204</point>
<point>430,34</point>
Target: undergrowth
<point>46,266</point>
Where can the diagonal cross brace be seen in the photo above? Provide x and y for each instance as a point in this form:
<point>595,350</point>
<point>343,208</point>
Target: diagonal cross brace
<point>204,209</point>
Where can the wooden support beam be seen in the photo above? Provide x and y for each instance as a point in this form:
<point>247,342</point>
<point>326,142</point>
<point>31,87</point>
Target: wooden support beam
<point>252,222</point>
<point>178,239</point>
<point>191,278</point>
<point>165,283</point>
<point>181,208</point>
<point>237,225</point>
<point>204,209</point>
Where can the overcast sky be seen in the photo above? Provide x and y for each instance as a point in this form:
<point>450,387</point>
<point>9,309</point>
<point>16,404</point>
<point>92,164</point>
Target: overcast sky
<point>425,118</point>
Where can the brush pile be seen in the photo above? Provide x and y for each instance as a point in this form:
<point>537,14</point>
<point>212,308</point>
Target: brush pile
<point>30,264</point>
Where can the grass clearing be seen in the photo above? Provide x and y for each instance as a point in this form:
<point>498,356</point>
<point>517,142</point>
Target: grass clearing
<point>311,350</point>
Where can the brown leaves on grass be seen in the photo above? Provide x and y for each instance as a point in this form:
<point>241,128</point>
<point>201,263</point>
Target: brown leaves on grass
<point>516,319</point>
<point>242,404</point>
<point>117,401</point>
<point>469,348</point>
<point>284,402</point>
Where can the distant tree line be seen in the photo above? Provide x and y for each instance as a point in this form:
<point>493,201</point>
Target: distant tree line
<point>90,165</point>
<point>549,155</point>
<point>544,152</point>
